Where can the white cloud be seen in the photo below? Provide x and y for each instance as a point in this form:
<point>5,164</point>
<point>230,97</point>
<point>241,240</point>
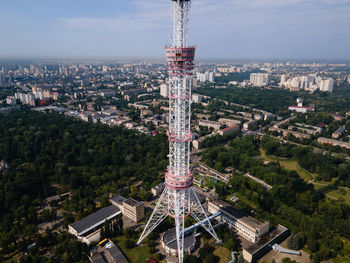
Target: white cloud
<point>148,15</point>
<point>219,14</point>
<point>264,23</point>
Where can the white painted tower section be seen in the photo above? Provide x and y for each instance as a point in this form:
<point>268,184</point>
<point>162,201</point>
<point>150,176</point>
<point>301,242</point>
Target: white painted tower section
<point>179,199</point>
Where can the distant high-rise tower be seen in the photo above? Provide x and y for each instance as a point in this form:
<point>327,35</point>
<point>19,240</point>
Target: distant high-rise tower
<point>179,199</point>
<point>327,85</point>
<point>164,90</point>
<point>260,79</point>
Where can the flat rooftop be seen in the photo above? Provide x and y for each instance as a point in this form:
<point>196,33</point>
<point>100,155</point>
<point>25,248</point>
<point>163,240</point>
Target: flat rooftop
<point>118,199</point>
<point>159,186</point>
<point>169,239</point>
<point>132,202</point>
<point>266,239</point>
<point>109,253</point>
<point>95,219</point>
<point>219,203</point>
<point>241,217</point>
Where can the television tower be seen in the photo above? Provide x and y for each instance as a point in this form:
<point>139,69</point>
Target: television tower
<point>179,199</point>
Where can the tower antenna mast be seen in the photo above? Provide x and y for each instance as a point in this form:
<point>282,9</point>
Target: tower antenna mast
<point>179,199</point>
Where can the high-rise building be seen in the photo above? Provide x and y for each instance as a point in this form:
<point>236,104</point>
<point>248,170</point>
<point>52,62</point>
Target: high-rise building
<point>164,90</point>
<point>283,80</point>
<point>211,77</point>
<point>260,79</point>
<point>28,99</point>
<point>349,79</point>
<point>205,77</point>
<point>327,85</point>
<point>1,78</point>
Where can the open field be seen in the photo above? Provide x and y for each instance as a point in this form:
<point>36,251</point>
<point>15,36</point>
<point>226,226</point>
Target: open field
<point>223,253</point>
<point>137,254</point>
<point>340,193</point>
<point>288,164</point>
<point>329,190</point>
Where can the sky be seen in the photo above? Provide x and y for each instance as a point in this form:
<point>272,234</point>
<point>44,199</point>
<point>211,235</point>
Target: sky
<point>221,29</point>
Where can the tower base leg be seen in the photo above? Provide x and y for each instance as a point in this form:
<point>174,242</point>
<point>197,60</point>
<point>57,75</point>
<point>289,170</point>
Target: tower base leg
<point>159,213</point>
<point>198,213</point>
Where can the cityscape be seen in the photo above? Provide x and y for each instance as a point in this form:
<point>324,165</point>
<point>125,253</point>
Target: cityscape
<point>179,159</point>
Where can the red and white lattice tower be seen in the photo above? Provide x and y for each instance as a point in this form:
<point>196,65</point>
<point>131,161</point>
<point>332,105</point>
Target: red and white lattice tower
<point>179,199</point>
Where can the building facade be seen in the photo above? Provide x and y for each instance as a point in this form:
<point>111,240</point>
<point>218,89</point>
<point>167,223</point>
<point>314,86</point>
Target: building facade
<point>210,124</point>
<point>164,90</point>
<point>244,225</point>
<point>133,210</point>
<point>323,140</point>
<point>88,229</point>
<point>158,189</point>
<point>260,79</point>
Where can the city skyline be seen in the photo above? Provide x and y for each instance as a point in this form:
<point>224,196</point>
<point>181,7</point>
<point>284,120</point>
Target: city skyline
<point>256,29</point>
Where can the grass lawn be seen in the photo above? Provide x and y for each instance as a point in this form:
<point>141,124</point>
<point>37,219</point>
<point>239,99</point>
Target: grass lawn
<point>223,253</point>
<point>338,193</point>
<point>319,186</point>
<point>333,193</point>
<point>138,254</point>
<point>288,164</point>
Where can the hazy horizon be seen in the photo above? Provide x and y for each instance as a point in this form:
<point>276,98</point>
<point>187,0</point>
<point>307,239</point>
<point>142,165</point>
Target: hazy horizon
<point>226,29</point>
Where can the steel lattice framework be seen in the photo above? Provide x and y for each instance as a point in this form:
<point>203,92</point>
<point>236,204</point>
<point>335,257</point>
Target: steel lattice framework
<point>179,199</point>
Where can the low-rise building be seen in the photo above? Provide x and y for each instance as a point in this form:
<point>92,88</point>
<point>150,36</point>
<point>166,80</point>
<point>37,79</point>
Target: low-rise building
<point>107,252</point>
<point>158,189</point>
<point>210,124</point>
<point>301,109</point>
<point>229,130</point>
<point>118,201</point>
<point>197,143</point>
<point>315,128</point>
<point>279,124</point>
<point>257,250</point>
<point>303,130</point>
<point>248,125</point>
<point>338,133</point>
<point>107,93</point>
<point>169,244</point>
<point>133,210</point>
<point>202,116</point>
<point>323,140</point>
<point>260,238</point>
<point>229,122</point>
<point>88,229</point>
<point>285,133</point>
<point>245,226</point>
<point>337,117</point>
